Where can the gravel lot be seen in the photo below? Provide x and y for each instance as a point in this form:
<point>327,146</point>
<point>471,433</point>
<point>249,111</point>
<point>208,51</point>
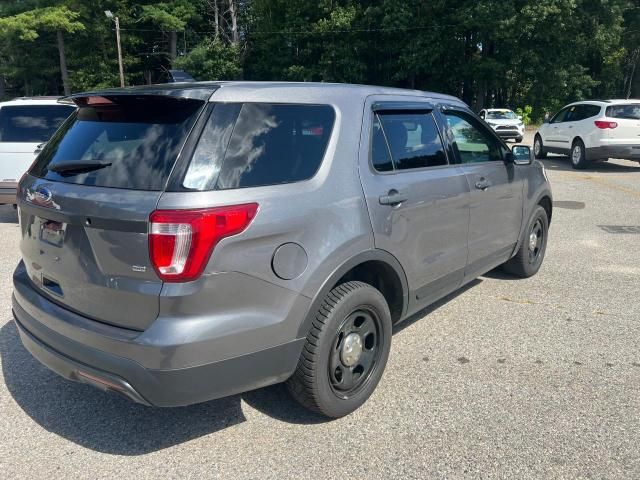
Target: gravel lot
<point>504,379</point>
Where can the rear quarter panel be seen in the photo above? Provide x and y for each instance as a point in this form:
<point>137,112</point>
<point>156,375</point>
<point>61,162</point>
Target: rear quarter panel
<point>325,215</point>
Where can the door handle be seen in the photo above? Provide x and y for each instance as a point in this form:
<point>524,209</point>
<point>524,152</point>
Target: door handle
<point>392,198</point>
<point>483,184</point>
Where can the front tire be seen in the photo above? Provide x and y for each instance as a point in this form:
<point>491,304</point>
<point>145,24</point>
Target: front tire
<point>538,147</point>
<point>578,155</point>
<point>528,260</point>
<point>346,351</point>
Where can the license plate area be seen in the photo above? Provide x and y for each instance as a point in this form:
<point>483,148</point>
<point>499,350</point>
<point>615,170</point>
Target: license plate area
<point>52,232</point>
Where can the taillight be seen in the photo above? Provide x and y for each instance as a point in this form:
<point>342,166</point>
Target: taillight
<point>181,241</point>
<point>604,124</point>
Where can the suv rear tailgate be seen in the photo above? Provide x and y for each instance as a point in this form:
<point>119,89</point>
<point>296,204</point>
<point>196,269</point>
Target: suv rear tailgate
<point>86,203</point>
<point>88,250</point>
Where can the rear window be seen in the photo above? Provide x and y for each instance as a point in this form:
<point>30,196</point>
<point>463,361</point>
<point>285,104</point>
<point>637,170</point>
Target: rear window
<point>257,144</point>
<point>630,111</point>
<point>31,123</point>
<point>135,141</point>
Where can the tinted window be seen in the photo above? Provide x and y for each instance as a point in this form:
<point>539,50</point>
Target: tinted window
<point>560,116</point>
<point>137,138</point>
<point>380,156</point>
<point>577,113</point>
<point>413,139</point>
<point>472,141</point>
<point>209,154</point>
<point>31,123</point>
<point>268,144</point>
<point>630,111</point>
<point>589,111</point>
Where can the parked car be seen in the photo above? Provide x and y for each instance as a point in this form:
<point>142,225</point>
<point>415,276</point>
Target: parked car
<point>505,122</point>
<point>592,131</point>
<point>25,123</point>
<point>191,241</point>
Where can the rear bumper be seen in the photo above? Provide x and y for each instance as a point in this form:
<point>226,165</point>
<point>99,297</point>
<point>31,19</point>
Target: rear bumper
<point>625,152</point>
<point>8,192</point>
<point>109,370</point>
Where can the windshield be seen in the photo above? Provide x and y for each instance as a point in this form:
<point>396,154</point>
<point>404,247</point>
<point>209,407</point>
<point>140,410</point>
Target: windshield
<point>630,111</point>
<point>134,140</point>
<point>501,115</point>
<point>31,123</point>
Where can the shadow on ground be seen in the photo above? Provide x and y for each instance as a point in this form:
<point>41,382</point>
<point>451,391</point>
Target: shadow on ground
<point>563,163</point>
<point>8,214</point>
<point>110,424</point>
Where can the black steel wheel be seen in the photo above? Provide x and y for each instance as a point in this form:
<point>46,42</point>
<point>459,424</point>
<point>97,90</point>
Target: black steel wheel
<point>346,351</point>
<point>528,260</point>
<point>356,352</point>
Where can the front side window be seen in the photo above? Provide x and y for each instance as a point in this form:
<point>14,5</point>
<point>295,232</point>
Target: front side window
<point>560,116</point>
<point>31,123</point>
<point>412,138</point>
<point>258,144</point>
<point>471,140</point>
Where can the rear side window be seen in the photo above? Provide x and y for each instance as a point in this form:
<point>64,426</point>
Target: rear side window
<point>412,138</point>
<point>582,112</point>
<point>258,144</point>
<point>630,111</point>
<point>133,142</point>
<point>31,123</point>
<point>589,111</point>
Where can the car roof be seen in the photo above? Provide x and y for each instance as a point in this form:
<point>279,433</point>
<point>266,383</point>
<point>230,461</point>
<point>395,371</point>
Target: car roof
<point>602,103</point>
<point>32,101</point>
<point>498,110</point>
<point>205,90</point>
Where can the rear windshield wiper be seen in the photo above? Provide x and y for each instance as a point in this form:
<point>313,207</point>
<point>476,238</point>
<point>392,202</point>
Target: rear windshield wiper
<point>78,166</point>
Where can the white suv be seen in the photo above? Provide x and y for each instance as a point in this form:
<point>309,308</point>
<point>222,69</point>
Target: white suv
<point>25,124</point>
<point>504,122</point>
<point>591,131</point>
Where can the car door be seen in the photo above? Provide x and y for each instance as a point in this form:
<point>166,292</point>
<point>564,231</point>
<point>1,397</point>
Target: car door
<point>418,201</point>
<point>567,129</point>
<point>496,198</point>
<point>553,138</point>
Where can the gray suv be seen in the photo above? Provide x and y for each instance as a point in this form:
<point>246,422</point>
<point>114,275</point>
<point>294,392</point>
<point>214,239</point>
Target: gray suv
<point>186,242</point>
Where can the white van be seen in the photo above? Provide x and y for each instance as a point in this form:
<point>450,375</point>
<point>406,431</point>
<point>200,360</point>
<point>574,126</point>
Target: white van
<point>25,124</point>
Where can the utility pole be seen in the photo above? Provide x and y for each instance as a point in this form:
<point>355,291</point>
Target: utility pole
<point>121,68</point>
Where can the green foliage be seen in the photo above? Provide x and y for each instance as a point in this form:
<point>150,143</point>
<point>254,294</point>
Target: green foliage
<point>169,16</point>
<point>212,60</point>
<point>540,54</point>
<point>525,113</point>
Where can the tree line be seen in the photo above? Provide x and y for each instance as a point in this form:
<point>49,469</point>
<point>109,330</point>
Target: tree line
<point>535,53</point>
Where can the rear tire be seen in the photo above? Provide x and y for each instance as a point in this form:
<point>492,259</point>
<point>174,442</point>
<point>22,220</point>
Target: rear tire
<point>538,147</point>
<point>346,351</point>
<point>528,260</point>
<point>578,155</point>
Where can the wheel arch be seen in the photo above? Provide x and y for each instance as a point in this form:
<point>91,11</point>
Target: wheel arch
<point>376,267</point>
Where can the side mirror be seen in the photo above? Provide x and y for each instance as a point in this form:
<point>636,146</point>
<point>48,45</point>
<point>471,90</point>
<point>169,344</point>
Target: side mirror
<point>519,117</point>
<point>521,155</point>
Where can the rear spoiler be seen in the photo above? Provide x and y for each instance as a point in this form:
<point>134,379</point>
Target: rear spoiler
<point>195,91</point>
